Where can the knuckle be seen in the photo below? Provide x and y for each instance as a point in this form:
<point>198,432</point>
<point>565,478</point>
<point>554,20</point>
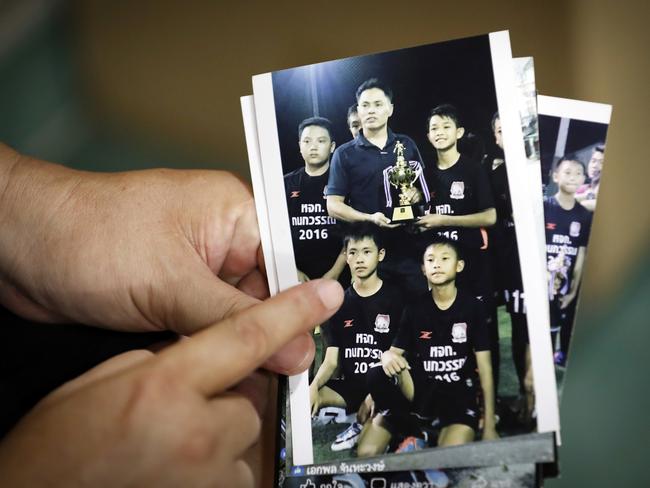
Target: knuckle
<point>197,446</point>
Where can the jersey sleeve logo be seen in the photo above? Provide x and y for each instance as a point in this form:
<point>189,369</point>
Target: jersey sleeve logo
<point>348,323</point>
<point>295,194</point>
<point>425,334</point>
<point>459,332</point>
<point>457,190</point>
<point>382,323</point>
<point>574,229</point>
<point>551,225</point>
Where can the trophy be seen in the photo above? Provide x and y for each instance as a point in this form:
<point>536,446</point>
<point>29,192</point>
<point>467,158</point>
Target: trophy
<point>402,176</point>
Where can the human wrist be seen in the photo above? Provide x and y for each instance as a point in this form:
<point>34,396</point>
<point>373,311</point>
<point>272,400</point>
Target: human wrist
<point>31,200</point>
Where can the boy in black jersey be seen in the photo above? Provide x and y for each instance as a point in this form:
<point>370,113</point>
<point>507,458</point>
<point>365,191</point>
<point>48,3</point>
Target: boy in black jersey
<point>568,225</point>
<point>354,122</point>
<point>317,250</point>
<point>364,326</point>
<point>505,259</point>
<point>462,207</point>
<point>430,370</point>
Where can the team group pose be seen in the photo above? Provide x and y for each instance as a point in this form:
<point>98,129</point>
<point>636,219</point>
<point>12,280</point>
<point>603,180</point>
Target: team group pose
<point>414,349</point>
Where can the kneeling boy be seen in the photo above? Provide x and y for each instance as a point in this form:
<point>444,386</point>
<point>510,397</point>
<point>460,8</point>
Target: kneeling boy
<point>430,370</point>
<point>364,326</point>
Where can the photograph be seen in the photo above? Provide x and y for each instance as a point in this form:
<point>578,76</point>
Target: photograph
<point>573,136</point>
<point>388,174</point>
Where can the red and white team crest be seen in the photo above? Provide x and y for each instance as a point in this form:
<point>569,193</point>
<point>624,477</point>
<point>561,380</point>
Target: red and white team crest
<point>574,229</point>
<point>459,332</point>
<point>457,190</point>
<point>382,323</point>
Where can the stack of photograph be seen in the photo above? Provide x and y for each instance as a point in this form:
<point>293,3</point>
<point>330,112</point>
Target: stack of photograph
<point>453,205</point>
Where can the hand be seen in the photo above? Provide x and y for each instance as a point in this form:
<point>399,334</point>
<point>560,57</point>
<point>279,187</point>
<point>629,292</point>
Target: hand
<point>431,221</point>
<point>566,300</point>
<point>302,277</point>
<point>141,251</point>
<point>314,399</point>
<point>381,220</point>
<point>181,418</point>
<point>413,195</point>
<point>137,251</point>
<point>393,363</point>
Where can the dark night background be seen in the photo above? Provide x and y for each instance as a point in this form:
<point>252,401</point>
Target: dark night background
<point>457,72</point>
<point>582,136</point>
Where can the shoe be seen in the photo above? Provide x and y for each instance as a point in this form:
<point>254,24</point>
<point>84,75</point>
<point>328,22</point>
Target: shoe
<point>559,358</point>
<point>348,438</point>
<point>436,478</point>
<point>411,444</point>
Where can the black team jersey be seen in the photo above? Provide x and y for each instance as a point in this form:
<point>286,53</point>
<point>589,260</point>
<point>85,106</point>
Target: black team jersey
<point>363,328</point>
<point>503,240</point>
<point>314,243</point>
<point>440,344</point>
<point>566,232</point>
<point>461,189</point>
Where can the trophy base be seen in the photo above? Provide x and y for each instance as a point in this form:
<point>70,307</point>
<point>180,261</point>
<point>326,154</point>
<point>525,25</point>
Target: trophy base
<point>403,214</point>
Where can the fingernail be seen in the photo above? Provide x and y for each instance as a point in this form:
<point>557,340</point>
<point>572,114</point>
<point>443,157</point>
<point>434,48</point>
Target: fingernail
<point>330,293</point>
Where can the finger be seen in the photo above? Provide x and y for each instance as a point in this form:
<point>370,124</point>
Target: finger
<point>254,284</point>
<point>256,389</point>
<point>294,357</point>
<point>402,362</point>
<point>243,475</point>
<point>237,425</point>
<point>110,367</point>
<point>219,357</point>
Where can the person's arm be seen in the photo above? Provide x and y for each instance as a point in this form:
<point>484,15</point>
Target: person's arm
<point>337,268</point>
<point>393,361</point>
<point>575,279</point>
<point>323,375</point>
<point>337,208</point>
<point>485,218</point>
<point>484,364</point>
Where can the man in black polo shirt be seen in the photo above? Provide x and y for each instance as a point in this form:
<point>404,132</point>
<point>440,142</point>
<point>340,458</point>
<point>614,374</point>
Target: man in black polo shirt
<point>358,188</point>
<point>316,248</point>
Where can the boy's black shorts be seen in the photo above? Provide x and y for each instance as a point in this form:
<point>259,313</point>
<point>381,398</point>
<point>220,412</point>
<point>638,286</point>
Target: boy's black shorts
<point>453,405</point>
<point>353,392</point>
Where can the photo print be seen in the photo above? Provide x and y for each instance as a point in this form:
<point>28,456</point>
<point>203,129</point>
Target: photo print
<point>419,356</point>
<point>573,135</point>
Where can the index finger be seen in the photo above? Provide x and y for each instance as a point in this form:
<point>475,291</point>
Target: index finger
<point>223,354</point>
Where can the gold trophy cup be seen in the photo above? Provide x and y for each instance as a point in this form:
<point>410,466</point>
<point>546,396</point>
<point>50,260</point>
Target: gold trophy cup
<point>402,177</point>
